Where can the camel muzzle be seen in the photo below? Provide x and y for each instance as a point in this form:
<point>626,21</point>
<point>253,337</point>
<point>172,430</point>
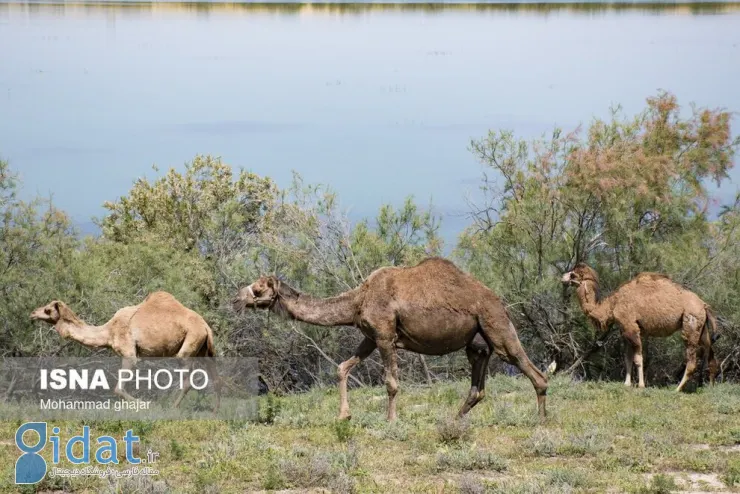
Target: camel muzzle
<point>567,280</point>
<point>36,316</point>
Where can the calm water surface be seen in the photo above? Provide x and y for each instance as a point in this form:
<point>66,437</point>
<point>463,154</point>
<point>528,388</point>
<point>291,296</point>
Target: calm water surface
<point>378,102</point>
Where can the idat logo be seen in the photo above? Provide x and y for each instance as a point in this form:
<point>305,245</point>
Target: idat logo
<point>30,468</point>
<point>32,437</point>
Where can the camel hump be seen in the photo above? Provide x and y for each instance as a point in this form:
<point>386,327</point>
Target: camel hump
<point>650,277</point>
<point>159,296</point>
<point>437,266</point>
<point>429,264</point>
<point>440,261</point>
<point>434,259</point>
<point>161,300</point>
<point>653,276</point>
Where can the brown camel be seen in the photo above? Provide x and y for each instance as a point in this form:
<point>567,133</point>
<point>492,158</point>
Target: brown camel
<point>432,308</point>
<point>653,305</point>
<point>160,326</point>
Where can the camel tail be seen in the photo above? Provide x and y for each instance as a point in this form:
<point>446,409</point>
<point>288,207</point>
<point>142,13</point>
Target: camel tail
<point>711,321</point>
<point>210,351</point>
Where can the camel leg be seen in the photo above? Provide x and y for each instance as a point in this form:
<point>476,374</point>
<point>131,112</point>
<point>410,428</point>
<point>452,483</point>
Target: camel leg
<point>640,371</point>
<point>184,390</point>
<point>631,333</point>
<point>702,358</point>
<point>713,366</point>
<point>366,347</point>
<point>213,372</point>
<point>505,343</point>
<point>388,354</point>
<point>709,359</point>
<point>478,357</point>
<point>691,334</point>
<point>629,355</point>
<point>127,363</point>
<point>690,367</point>
<point>191,347</point>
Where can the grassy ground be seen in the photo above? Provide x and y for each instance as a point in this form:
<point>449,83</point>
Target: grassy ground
<point>599,437</point>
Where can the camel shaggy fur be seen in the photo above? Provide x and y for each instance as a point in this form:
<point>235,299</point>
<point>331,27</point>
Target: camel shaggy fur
<point>653,305</point>
<point>160,326</point>
<point>432,308</point>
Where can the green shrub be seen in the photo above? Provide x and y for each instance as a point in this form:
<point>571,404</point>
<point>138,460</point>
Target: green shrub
<point>453,430</point>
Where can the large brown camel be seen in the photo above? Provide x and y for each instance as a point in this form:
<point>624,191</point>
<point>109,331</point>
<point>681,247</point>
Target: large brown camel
<point>653,305</point>
<point>160,326</point>
<point>432,308</point>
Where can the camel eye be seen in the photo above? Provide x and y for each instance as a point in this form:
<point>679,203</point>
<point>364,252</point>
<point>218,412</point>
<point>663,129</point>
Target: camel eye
<point>257,291</point>
<point>572,276</point>
<point>47,311</point>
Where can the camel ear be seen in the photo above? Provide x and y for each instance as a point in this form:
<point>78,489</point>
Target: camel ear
<point>62,309</point>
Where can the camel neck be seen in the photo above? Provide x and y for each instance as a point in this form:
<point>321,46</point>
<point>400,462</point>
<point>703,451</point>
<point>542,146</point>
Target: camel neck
<point>597,310</point>
<point>332,311</point>
<point>85,334</point>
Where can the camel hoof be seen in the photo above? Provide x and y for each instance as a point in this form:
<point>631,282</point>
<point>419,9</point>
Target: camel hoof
<point>344,416</point>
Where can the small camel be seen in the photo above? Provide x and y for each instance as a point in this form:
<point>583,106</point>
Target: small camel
<point>160,326</point>
<point>432,308</point>
<point>651,304</point>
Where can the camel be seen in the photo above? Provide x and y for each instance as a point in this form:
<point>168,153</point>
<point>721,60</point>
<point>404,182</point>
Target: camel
<point>160,326</point>
<point>432,308</point>
<point>653,305</point>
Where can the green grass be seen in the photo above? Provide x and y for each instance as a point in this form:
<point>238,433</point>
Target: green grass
<point>599,437</point>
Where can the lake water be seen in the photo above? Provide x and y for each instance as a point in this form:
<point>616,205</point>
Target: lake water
<point>379,102</point>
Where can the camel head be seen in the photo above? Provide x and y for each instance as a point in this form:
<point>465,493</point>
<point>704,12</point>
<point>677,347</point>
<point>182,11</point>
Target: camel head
<point>581,273</point>
<point>52,313</point>
<point>259,295</point>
